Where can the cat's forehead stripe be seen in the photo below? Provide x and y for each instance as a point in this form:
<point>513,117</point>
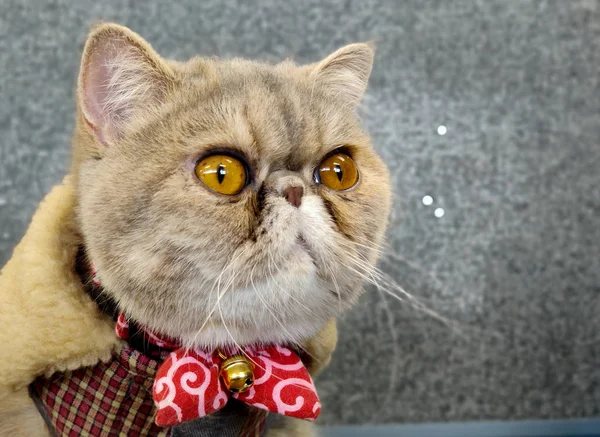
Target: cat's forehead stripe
<point>269,116</point>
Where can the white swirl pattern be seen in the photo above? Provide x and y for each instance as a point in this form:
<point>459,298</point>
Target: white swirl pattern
<point>188,386</point>
<point>282,407</point>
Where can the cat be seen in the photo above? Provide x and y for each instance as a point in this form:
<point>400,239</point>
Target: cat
<point>226,202</point>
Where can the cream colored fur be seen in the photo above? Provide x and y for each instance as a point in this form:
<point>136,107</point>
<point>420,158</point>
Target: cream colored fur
<point>48,322</point>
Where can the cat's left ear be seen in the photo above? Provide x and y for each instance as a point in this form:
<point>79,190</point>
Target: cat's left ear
<point>345,73</point>
<point>120,77</point>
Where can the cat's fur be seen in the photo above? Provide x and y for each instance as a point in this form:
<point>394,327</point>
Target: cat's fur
<point>167,249</point>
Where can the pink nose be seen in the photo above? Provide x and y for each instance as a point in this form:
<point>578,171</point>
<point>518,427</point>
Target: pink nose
<point>294,195</point>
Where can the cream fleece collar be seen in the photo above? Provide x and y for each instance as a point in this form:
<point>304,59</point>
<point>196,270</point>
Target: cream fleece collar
<point>49,324</point>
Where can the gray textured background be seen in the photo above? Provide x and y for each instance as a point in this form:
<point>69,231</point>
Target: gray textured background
<point>514,265</point>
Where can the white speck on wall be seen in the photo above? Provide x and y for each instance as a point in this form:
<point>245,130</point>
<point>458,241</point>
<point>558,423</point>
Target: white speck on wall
<point>2,201</point>
<point>5,235</point>
<point>441,130</point>
<point>439,212</point>
<point>427,200</point>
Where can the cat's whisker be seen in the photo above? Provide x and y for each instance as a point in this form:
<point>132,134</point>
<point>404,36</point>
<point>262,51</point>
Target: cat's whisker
<point>388,286</point>
<point>392,254</point>
<point>383,282</point>
<point>364,263</point>
<point>302,348</point>
<point>283,290</point>
<point>242,351</point>
<point>227,329</point>
<point>371,247</point>
<point>393,374</point>
<point>310,312</point>
<point>371,277</point>
<point>217,283</point>
<point>336,287</point>
<point>102,295</point>
<point>374,276</point>
<point>386,251</point>
<point>267,306</point>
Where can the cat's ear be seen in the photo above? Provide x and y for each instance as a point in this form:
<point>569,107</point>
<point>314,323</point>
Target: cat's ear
<point>120,75</point>
<point>346,71</point>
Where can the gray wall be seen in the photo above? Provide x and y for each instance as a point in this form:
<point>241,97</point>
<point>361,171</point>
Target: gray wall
<point>512,270</point>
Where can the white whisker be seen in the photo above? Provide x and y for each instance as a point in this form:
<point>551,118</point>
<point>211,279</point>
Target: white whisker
<point>217,283</point>
<point>395,348</point>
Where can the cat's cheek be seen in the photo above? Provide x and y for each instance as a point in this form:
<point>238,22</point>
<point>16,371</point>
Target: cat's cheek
<point>317,228</point>
<point>300,272</point>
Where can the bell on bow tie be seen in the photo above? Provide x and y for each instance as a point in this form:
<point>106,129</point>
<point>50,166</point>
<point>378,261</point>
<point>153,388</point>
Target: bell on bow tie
<point>280,384</point>
<point>237,373</point>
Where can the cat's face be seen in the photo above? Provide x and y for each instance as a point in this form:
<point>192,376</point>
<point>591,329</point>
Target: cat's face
<point>252,244</point>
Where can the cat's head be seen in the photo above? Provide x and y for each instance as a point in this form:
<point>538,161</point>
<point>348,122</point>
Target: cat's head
<point>224,199</point>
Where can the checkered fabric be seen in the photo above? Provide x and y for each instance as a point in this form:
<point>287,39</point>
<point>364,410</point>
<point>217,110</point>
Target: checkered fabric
<point>115,399</point>
<point>109,399</point>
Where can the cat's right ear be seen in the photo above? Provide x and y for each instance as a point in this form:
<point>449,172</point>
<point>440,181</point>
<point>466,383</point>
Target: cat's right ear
<point>120,77</point>
<point>345,73</point>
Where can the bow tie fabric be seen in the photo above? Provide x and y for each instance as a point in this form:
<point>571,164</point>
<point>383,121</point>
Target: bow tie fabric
<point>189,383</point>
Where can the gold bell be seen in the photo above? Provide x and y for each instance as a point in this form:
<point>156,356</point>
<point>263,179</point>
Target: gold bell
<point>237,373</point>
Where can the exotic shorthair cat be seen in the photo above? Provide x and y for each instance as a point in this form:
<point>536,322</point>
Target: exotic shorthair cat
<point>219,208</point>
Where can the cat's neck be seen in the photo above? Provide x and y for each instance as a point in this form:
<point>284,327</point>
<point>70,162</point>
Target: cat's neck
<point>109,307</point>
<point>104,302</point>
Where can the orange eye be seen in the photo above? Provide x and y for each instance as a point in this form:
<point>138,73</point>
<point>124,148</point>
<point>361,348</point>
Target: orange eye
<point>222,173</point>
<point>337,172</point>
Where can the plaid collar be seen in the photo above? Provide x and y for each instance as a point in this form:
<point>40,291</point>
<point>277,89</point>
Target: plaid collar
<point>115,397</point>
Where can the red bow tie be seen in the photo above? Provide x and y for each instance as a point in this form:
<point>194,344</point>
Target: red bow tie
<point>192,383</point>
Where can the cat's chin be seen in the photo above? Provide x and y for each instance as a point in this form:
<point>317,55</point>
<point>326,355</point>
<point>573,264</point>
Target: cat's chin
<point>217,336</point>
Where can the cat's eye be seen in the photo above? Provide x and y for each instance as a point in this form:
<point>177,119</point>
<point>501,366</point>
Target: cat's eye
<point>337,172</point>
<point>222,173</point>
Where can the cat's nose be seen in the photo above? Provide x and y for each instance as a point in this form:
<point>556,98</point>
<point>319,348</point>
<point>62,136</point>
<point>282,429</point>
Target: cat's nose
<point>293,195</point>
<point>287,184</point>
